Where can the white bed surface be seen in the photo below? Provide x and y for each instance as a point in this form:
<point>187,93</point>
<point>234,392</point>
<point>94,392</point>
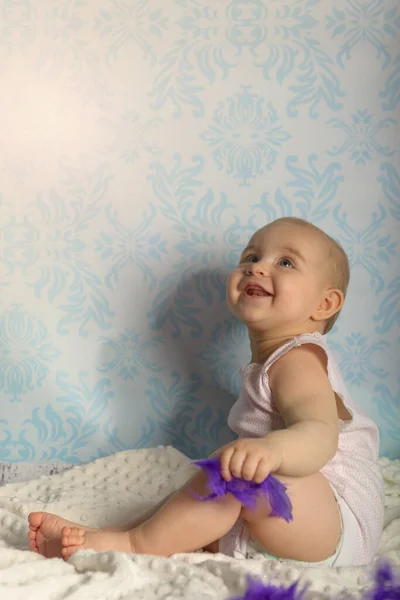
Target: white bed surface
<point>115,490</point>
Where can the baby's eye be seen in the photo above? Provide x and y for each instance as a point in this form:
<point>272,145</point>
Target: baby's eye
<point>285,262</point>
<point>251,258</point>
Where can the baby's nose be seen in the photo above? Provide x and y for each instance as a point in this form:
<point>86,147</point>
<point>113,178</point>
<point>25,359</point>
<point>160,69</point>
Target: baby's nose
<point>257,268</point>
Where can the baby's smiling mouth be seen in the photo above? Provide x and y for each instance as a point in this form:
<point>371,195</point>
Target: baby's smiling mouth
<point>253,289</point>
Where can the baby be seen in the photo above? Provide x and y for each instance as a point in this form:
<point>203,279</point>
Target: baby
<point>294,418</point>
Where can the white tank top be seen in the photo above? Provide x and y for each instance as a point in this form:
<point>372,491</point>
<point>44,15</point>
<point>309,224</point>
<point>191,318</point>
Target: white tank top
<point>353,471</point>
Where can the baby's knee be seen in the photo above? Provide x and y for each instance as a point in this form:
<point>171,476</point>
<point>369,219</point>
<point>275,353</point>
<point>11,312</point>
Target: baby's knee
<point>198,484</point>
<point>263,507</point>
<point>260,511</point>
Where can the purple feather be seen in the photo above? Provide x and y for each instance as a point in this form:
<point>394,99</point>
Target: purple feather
<point>258,591</point>
<point>246,492</point>
<point>386,586</point>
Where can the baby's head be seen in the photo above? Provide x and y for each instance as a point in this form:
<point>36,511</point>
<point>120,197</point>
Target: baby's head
<point>292,278</point>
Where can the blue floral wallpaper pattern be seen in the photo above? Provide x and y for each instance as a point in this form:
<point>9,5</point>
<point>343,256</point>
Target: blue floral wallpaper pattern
<point>142,144</point>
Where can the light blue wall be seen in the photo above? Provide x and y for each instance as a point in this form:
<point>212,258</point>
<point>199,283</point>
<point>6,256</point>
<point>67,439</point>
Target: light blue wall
<point>141,144</point>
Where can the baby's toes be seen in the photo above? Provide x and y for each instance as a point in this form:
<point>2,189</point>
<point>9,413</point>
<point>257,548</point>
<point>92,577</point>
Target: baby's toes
<point>68,531</point>
<point>72,536</point>
<point>32,537</point>
<point>70,550</point>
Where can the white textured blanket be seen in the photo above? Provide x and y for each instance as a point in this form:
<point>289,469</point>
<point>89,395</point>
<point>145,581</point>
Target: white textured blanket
<point>114,490</point>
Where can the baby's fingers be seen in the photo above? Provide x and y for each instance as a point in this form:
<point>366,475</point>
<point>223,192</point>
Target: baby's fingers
<point>225,460</point>
<point>238,459</point>
<point>262,471</point>
<point>249,467</point>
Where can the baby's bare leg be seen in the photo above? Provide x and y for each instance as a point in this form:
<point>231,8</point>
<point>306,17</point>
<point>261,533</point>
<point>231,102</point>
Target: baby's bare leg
<point>143,518</point>
<point>183,524</point>
<point>45,529</point>
<point>313,534</point>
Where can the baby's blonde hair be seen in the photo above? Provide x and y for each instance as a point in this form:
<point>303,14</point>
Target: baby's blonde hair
<point>339,275</point>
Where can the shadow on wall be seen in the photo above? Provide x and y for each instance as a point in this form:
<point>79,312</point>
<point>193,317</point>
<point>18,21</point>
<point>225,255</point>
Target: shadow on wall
<point>203,346</point>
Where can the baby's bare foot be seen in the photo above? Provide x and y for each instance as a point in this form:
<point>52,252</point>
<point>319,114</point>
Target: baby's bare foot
<point>75,538</point>
<point>45,533</point>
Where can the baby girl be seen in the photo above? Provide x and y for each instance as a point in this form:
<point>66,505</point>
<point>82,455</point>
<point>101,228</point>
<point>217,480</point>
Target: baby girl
<point>294,418</point>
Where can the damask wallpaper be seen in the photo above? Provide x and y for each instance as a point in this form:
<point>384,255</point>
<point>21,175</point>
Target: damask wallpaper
<point>142,142</point>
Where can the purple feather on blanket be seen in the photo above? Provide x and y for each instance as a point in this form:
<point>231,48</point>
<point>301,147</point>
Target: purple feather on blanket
<point>246,492</point>
<point>259,591</point>
<point>386,587</point>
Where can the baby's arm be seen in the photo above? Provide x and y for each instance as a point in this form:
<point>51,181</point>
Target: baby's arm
<point>303,395</point>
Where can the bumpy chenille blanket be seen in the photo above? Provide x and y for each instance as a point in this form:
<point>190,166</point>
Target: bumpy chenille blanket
<point>114,490</point>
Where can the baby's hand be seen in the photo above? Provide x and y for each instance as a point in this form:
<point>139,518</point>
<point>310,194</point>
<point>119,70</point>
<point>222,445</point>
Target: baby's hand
<point>252,459</point>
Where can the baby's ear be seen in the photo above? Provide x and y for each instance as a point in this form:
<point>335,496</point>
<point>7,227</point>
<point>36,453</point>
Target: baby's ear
<point>330,304</point>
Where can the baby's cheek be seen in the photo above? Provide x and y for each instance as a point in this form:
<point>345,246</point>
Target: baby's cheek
<point>232,289</point>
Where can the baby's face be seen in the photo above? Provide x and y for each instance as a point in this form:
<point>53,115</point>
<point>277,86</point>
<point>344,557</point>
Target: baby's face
<point>280,279</point>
